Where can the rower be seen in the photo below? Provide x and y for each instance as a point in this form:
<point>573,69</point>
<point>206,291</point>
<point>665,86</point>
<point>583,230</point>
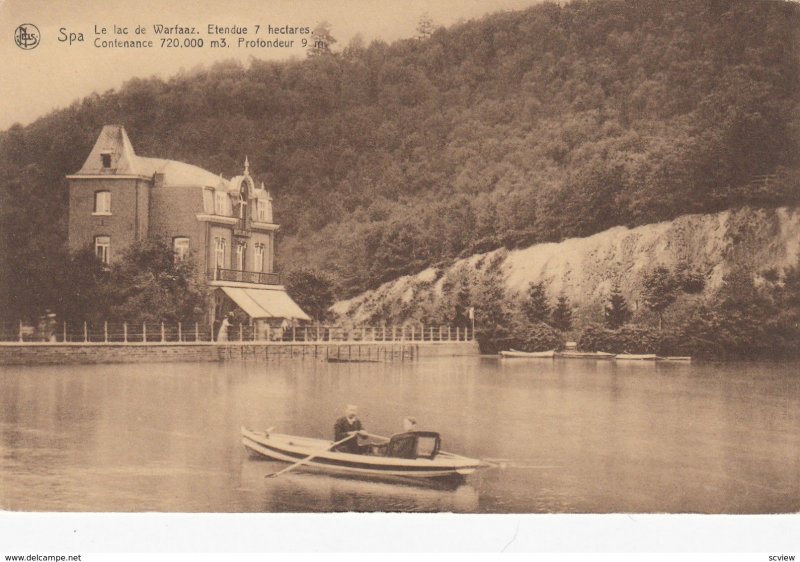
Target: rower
<point>349,425</point>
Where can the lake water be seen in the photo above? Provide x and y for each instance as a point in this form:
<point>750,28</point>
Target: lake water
<point>574,436</point>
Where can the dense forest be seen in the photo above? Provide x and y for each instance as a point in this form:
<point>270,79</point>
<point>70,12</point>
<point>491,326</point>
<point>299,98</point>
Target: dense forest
<point>517,128</point>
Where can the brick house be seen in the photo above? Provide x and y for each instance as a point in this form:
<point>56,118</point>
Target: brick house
<point>118,197</point>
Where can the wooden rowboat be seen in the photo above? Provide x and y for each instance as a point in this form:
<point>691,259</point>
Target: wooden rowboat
<point>511,354</point>
<point>585,355</point>
<point>636,357</point>
<point>429,462</point>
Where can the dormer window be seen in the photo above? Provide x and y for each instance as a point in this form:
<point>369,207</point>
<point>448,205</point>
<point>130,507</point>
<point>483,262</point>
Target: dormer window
<point>221,203</point>
<point>102,203</point>
<point>105,158</point>
<point>208,201</point>
<point>263,211</point>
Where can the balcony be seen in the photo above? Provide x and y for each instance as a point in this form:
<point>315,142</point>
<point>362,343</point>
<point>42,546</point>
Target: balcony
<point>238,276</point>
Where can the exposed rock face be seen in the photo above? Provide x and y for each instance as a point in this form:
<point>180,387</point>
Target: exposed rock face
<point>584,269</point>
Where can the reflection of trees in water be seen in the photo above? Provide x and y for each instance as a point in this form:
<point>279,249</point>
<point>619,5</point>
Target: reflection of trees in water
<point>308,491</point>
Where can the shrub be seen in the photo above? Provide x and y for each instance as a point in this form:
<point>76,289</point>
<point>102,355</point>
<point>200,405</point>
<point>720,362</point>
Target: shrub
<point>538,337</point>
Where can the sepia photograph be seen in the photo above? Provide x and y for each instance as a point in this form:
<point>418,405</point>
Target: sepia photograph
<point>467,257</point>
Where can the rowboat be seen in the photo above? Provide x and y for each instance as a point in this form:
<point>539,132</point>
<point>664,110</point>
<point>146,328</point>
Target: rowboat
<point>585,355</point>
<point>682,358</point>
<point>513,353</point>
<point>636,357</point>
<point>428,460</point>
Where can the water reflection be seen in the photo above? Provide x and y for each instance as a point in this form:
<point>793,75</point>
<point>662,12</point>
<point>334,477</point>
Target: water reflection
<point>309,492</point>
<point>568,436</point>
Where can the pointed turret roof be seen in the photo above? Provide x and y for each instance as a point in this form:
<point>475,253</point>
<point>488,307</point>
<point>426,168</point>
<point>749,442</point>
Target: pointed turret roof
<point>113,140</point>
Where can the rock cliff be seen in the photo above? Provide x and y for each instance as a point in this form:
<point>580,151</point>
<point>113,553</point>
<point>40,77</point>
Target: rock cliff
<point>584,269</point>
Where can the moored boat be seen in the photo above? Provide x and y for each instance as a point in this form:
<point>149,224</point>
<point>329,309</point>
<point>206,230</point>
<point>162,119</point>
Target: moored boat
<point>428,460</point>
<point>636,357</point>
<point>683,358</point>
<point>584,355</point>
<point>513,353</point>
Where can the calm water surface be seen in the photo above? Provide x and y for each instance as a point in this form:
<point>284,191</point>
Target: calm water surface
<point>576,436</point>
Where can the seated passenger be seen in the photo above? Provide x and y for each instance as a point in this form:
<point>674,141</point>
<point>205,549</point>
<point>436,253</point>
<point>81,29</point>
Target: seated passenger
<point>404,445</point>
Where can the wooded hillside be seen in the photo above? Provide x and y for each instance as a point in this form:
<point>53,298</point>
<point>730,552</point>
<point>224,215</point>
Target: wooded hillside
<point>514,129</point>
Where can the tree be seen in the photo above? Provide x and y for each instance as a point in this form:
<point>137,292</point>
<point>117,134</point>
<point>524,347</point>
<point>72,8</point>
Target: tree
<point>535,306</point>
<point>562,314</point>
<point>425,26</point>
<point>321,40</point>
<point>660,291</point>
<point>84,291</point>
<point>462,303</point>
<point>150,284</point>
<point>689,280</point>
<point>492,317</point>
<point>616,309</point>
<point>312,290</point>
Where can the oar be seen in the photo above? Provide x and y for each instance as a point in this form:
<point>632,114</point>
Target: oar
<point>305,460</point>
<point>374,435</point>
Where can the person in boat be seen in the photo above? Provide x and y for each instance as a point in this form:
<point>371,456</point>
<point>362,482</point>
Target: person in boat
<point>350,425</point>
<point>402,445</point>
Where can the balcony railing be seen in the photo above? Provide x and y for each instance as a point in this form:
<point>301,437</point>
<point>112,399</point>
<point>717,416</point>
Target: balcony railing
<point>238,276</point>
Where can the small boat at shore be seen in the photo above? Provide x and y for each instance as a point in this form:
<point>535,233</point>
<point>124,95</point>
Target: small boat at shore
<point>513,353</point>
<point>636,357</point>
<point>683,358</point>
<point>351,360</point>
<point>584,355</point>
<point>429,461</point>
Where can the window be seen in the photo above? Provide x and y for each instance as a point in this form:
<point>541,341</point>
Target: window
<point>181,248</point>
<point>259,265</point>
<point>219,253</point>
<point>264,214</point>
<point>221,203</point>
<point>208,201</point>
<point>105,158</point>
<point>102,202</point>
<point>240,250</point>
<point>102,248</point>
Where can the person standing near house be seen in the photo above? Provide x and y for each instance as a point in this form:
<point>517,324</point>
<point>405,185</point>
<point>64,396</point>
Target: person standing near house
<point>222,335</point>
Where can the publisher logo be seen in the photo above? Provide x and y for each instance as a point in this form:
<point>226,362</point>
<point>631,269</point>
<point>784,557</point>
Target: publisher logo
<point>26,36</point>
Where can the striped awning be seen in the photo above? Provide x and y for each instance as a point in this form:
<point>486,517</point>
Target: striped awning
<point>265,303</point>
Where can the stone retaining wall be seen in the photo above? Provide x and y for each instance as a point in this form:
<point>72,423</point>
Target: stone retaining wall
<point>74,353</point>
<point>88,353</point>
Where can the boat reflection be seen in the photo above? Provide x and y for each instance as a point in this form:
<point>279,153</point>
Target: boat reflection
<point>308,491</point>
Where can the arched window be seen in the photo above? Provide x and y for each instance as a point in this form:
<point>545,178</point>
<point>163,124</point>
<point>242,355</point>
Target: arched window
<point>242,204</point>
